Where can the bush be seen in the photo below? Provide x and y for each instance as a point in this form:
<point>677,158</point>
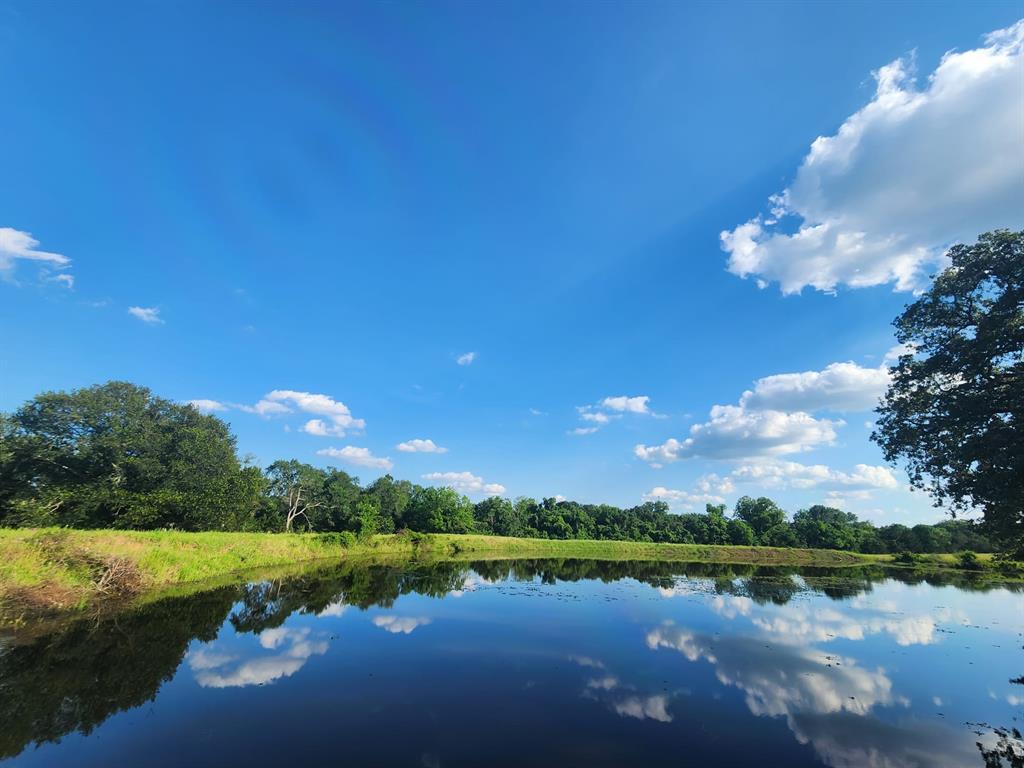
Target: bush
<point>340,539</point>
<point>905,558</point>
<point>968,561</point>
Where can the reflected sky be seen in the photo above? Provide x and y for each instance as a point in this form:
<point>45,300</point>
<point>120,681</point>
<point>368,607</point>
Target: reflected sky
<point>532,663</point>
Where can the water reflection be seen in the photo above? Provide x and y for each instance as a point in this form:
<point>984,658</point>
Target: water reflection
<point>810,648</point>
<point>292,648</point>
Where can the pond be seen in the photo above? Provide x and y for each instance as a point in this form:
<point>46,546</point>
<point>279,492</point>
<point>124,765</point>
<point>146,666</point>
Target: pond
<point>532,663</point>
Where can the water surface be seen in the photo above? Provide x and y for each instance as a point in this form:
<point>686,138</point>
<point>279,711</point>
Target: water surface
<point>532,663</point>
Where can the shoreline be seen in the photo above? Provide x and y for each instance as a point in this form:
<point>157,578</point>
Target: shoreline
<point>54,571</point>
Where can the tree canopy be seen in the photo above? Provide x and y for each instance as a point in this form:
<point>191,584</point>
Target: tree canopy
<point>954,409</point>
<point>116,456</point>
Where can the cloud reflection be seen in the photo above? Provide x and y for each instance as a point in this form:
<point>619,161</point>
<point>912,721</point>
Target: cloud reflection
<point>828,701</point>
<point>217,669</point>
<point>400,624</point>
<point>622,698</point>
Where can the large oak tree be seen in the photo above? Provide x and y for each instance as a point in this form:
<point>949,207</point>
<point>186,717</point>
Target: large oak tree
<point>953,412</point>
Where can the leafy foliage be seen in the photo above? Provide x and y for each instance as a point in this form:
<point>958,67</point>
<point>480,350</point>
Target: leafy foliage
<point>954,410</point>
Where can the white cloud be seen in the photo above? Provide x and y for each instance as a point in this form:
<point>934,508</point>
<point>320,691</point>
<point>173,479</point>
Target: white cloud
<point>360,457</point>
<point>265,408</point>
<point>735,432</point>
<point>610,408</point>
<point>466,359</point>
<point>465,482</point>
<point>626,404</point>
<point>339,419</point>
<point>895,353</point>
<point>420,446</point>
<point>68,281</point>
<point>681,498</point>
<point>840,387</point>
<point>912,172</point>
<point>321,428</point>
<point>597,417</point>
<point>16,246</point>
<point>146,314</point>
<point>712,483</point>
<point>207,406</point>
<point>403,625</point>
<point>792,474</point>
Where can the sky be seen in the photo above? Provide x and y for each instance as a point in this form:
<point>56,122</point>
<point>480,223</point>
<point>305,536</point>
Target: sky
<point>611,252</point>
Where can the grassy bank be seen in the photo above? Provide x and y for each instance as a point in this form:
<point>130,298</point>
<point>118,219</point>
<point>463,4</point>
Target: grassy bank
<point>56,570</point>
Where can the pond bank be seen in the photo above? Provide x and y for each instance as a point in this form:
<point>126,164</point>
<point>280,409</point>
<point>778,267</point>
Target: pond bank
<point>52,570</point>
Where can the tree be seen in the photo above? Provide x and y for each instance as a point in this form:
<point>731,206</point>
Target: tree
<point>740,533</point>
<point>781,535</point>
<point>953,412</point>
<point>824,527</point>
<point>761,514</point>
<point>717,529</point>
<point>300,490</point>
<point>439,510</point>
<point>368,514</point>
<point>116,456</point>
<point>392,498</point>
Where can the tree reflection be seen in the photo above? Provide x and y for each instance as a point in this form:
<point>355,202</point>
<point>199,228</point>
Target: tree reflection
<point>77,677</point>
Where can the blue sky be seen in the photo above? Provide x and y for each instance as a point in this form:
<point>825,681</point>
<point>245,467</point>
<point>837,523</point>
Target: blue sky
<point>257,204</point>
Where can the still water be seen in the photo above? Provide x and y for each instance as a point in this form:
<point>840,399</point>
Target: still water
<point>531,663</point>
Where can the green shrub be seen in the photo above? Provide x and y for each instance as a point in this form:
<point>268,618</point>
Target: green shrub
<point>906,558</point>
<point>968,561</point>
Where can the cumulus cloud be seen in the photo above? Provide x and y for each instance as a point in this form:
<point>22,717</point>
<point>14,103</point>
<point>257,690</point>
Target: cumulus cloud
<point>912,172</point>
<point>360,457</point>
<point>839,387</point>
<point>403,625</point>
<point>420,446</point>
<point>683,499</point>
<point>792,474</point>
<point>626,404</point>
<point>466,358</point>
<point>207,406</point>
<point>775,417</point>
<point>339,419</point>
<point>16,246</point>
<point>146,314</point>
<point>734,432</point>
<point>465,482</point>
<point>610,408</point>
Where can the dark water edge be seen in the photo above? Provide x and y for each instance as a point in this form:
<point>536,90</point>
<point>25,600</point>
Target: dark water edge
<point>70,681</point>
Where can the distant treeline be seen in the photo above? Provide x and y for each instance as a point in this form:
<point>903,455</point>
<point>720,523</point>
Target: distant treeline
<point>116,456</point>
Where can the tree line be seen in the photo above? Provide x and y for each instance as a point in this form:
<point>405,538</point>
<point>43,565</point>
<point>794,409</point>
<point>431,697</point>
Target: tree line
<point>117,456</point>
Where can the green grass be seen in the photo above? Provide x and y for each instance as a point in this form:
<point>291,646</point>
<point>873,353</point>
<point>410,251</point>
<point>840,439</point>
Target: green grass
<point>55,570</point>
